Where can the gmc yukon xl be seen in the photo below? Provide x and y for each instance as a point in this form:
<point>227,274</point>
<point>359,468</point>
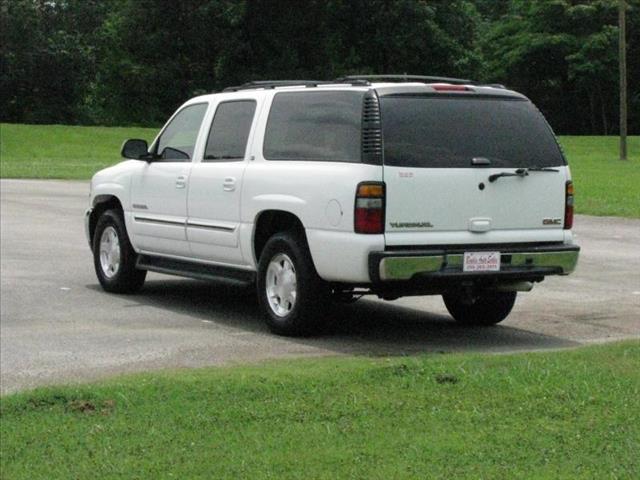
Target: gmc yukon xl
<point>318,192</point>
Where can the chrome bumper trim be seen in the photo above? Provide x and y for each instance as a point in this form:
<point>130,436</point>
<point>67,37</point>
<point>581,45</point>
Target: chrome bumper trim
<point>546,261</point>
<point>403,268</point>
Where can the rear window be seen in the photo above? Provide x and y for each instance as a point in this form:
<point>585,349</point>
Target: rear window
<point>321,126</point>
<point>441,132</point>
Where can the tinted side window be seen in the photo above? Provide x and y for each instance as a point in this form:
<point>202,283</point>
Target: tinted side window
<point>323,126</point>
<point>230,131</point>
<point>178,139</point>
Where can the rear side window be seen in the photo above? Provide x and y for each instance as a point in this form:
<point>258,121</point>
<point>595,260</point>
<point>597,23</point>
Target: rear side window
<point>441,132</point>
<point>321,126</point>
<point>230,131</point>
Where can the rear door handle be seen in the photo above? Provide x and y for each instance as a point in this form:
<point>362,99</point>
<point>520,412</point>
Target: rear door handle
<point>229,184</point>
<point>181,181</point>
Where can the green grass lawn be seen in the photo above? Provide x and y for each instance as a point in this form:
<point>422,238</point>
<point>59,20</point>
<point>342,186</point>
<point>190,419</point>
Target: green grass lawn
<point>569,414</point>
<point>604,185</point>
<point>60,151</point>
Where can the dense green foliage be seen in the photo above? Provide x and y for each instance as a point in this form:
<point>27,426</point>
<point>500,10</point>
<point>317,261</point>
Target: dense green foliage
<point>563,54</point>
<point>604,185</point>
<point>124,62</point>
<point>572,414</point>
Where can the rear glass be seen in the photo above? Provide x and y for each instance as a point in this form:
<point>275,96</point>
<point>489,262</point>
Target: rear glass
<point>446,132</point>
<point>322,126</point>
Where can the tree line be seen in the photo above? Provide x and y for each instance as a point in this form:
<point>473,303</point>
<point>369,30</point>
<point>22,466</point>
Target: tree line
<point>132,62</point>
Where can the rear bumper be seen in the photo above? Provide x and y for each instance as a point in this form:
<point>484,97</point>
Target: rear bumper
<point>515,263</point>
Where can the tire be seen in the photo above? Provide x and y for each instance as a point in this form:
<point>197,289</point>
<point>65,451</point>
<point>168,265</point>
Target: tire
<point>113,256</point>
<point>291,294</point>
<point>483,309</point>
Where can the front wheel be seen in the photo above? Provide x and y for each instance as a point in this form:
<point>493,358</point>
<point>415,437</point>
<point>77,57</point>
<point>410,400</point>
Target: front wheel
<point>113,256</point>
<point>290,292</point>
<point>482,309</point>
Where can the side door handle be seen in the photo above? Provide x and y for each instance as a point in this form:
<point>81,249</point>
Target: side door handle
<point>229,184</point>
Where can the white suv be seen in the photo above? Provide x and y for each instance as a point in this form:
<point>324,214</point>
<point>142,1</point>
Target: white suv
<point>330,190</point>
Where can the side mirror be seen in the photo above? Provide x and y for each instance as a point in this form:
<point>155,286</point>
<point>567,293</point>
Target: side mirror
<point>135,148</point>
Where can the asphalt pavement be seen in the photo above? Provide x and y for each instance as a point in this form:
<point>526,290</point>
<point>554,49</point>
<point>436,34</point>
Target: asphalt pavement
<point>58,326</point>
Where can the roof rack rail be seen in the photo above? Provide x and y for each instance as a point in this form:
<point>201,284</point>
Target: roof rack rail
<point>273,84</point>
<point>357,80</point>
<point>405,78</point>
<point>292,83</point>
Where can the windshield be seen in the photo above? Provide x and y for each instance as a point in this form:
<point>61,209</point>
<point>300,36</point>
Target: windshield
<point>448,132</point>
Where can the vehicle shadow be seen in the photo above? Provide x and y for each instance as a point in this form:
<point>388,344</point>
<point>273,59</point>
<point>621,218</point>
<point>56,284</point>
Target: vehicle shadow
<point>366,327</point>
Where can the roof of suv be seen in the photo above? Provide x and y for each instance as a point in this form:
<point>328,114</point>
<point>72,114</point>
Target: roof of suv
<point>383,85</point>
<point>387,84</point>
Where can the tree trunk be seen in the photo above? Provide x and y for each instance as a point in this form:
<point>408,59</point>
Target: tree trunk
<point>622,52</point>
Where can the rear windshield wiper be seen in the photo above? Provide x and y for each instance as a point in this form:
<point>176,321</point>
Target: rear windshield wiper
<point>541,169</point>
<point>520,172</point>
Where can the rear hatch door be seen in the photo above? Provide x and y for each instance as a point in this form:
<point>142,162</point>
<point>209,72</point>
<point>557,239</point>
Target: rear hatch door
<point>470,169</point>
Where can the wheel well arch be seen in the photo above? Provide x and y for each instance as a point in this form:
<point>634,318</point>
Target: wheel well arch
<point>270,222</point>
<point>101,204</point>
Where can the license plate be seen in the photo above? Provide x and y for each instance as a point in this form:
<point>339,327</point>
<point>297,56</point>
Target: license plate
<point>481,262</point>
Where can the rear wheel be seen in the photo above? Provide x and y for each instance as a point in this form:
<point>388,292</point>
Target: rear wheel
<point>113,256</point>
<point>290,292</point>
<point>483,309</point>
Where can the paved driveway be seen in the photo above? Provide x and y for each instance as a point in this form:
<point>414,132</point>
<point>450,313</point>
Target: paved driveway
<point>56,325</point>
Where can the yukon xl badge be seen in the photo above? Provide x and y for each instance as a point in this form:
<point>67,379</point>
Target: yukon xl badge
<point>411,225</point>
<point>551,221</point>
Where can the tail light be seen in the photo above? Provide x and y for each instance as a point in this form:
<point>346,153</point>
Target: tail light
<point>369,208</point>
<point>568,205</point>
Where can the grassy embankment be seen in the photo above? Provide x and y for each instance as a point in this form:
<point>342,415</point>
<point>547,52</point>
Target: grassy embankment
<point>605,185</point>
<point>60,151</point>
<point>570,414</point>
